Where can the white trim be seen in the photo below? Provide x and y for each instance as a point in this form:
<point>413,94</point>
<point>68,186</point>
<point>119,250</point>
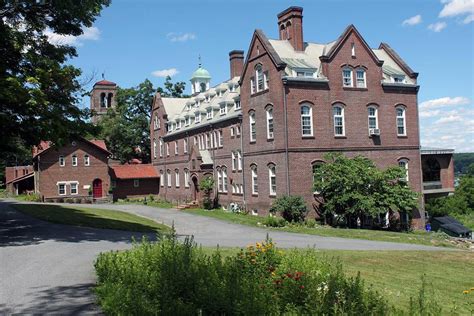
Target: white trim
<point>310,115</point>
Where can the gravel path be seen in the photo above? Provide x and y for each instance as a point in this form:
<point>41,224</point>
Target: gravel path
<point>47,268</point>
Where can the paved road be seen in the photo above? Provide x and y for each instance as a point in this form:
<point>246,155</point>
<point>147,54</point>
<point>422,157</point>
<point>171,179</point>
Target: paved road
<point>48,268</point>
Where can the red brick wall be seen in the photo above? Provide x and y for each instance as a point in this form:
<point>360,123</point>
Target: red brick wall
<point>50,172</point>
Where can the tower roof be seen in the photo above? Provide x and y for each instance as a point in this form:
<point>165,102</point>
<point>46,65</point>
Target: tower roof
<point>105,83</point>
<point>201,73</point>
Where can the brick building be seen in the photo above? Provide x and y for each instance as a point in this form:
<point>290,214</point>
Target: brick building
<point>134,180</point>
<point>102,98</point>
<point>261,133</point>
<point>19,179</point>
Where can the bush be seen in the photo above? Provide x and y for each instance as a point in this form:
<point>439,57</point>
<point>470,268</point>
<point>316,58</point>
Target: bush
<point>310,223</point>
<point>33,197</point>
<point>291,207</point>
<point>273,221</point>
<point>178,278</point>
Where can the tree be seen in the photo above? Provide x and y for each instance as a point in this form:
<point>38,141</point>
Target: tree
<point>356,187</point>
<point>291,207</point>
<point>207,185</point>
<point>173,90</point>
<point>39,92</point>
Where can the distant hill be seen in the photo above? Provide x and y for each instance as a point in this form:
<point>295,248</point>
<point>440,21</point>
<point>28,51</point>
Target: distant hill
<point>462,161</point>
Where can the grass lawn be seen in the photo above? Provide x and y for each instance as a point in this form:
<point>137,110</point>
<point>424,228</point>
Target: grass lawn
<point>397,274</point>
<point>417,237</point>
<point>154,203</point>
<point>89,217</point>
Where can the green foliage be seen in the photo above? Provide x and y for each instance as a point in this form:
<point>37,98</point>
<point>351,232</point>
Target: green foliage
<point>356,187</point>
<point>274,221</point>
<point>39,92</point>
<point>207,185</point>
<point>178,278</point>
<point>291,207</point>
<point>19,155</point>
<point>173,90</point>
<point>463,162</point>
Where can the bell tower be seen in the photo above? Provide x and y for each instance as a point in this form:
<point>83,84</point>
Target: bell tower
<point>201,79</point>
<point>102,98</point>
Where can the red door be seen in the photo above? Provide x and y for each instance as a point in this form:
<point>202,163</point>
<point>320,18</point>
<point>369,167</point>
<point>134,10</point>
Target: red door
<point>97,188</point>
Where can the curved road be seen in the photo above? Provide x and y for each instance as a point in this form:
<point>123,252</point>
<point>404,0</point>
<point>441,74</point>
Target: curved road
<point>47,268</point>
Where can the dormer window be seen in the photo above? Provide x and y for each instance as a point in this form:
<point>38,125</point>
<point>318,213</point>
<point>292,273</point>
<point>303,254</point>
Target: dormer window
<point>209,113</point>
<point>305,74</point>
<point>223,109</point>
<point>398,79</point>
<point>207,99</point>
<point>187,121</point>
<point>197,118</point>
<point>231,88</point>
<point>237,105</point>
<point>347,77</point>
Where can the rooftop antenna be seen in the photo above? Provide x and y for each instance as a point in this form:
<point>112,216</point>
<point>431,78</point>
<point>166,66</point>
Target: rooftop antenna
<point>200,63</point>
<point>103,75</point>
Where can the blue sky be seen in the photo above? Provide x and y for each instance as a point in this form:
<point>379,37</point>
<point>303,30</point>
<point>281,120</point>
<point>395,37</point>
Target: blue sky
<point>134,40</point>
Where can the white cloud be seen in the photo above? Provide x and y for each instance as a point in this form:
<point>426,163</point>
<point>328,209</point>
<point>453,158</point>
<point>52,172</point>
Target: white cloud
<point>438,26</point>
<point>165,72</point>
<point>442,102</point>
<point>89,34</point>
<point>180,37</point>
<point>449,119</point>
<point>414,20</point>
<point>454,8</point>
<point>426,114</point>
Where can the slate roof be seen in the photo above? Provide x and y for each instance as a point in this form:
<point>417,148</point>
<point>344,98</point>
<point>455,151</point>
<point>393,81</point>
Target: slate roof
<point>138,171</point>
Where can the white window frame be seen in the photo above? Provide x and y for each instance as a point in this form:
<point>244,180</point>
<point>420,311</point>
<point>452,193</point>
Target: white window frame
<point>270,122</point>
<point>239,160</point>
<point>167,149</point>
<point>266,80</point>
<point>373,116</point>
<point>272,179</point>
<point>168,177</point>
<point>74,160</point>
<point>237,105</point>
<point>341,116</point>
<point>161,147</point>
<point>304,117</point>
<point>219,180</point>
<point>252,85</point>
<point>223,108</point>
<point>154,147</point>
<point>254,175</point>
<point>59,188</point>
<point>87,160</point>
<point>232,132</point>
<point>224,179</point>
<point>253,127</point>
<point>62,161</point>
<point>176,152</point>
<point>234,161</point>
<point>259,78</point>
<point>209,113</point>
<point>197,117</point>
<point>186,178</point>
<point>237,130</point>
<point>76,185</point>
<point>363,83</point>
<point>185,145</point>
<point>176,177</point>
<point>162,179</point>
<point>404,120</point>
<point>403,163</point>
<point>136,183</point>
<point>345,83</point>
<point>221,138</point>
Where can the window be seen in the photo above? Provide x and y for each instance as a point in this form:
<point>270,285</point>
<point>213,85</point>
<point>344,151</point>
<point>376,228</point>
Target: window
<point>239,160</point>
<point>372,113</point>
<point>219,180</point>
<point>270,122</point>
<point>353,50</point>
<point>398,79</point>
<point>103,101</point>
<point>338,114</point>
<point>178,124</point>
<point>74,160</point>
<point>254,180</point>
<point>62,162</point>
<point>161,148</point>
<point>186,178</point>
<point>234,161</point>
<point>176,147</point>
<point>237,104</point>
<point>197,117</point>
<point>62,188</point>
<point>401,123</point>
<point>272,179</point>
<point>253,127</point>
<point>232,132</point>
<point>168,178</point>
<point>162,179</point>
<point>266,80</point>
<point>220,138</point>
<point>74,188</point>
<point>306,120</point>
<point>176,177</point>
<point>87,161</point>
<point>209,113</point>
<point>260,78</point>
<point>185,145</point>
<point>167,149</point>
<point>431,170</point>
<point>224,179</point>
<point>223,109</point>
<point>237,130</point>
<point>316,165</point>
<point>252,85</point>
<point>305,74</point>
<point>136,183</point>
<point>208,141</point>
<point>154,148</point>
<point>187,121</point>
<point>360,78</point>
<point>347,77</point>
<point>403,163</point>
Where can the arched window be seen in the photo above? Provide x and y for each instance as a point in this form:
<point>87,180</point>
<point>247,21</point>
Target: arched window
<point>239,160</point>
<point>283,32</point>
<point>269,122</point>
<point>260,78</point>
<point>234,161</point>
<point>372,113</point>
<point>161,148</point>
<point>347,77</point>
<point>287,29</point>
<point>154,148</point>
<point>203,86</point>
<point>109,100</point>
<point>186,178</point>
<point>360,78</point>
<point>401,121</point>
<point>162,179</point>
<point>431,170</point>
<point>103,100</point>
<point>338,115</point>
<point>224,179</point>
<point>168,178</point>
<point>254,179</point>
<point>176,174</point>
<point>253,127</point>
<point>403,163</point>
<point>272,179</point>
<point>315,167</point>
<point>306,120</point>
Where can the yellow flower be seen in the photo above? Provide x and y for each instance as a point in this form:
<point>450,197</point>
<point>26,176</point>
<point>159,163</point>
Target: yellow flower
<point>466,292</point>
<point>472,288</point>
<point>273,273</point>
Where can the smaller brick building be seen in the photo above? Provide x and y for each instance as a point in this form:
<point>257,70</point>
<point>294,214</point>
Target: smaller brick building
<point>438,172</point>
<point>19,179</point>
<point>135,180</point>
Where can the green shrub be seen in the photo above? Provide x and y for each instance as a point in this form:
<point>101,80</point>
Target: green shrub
<point>291,207</point>
<point>178,278</point>
<point>33,197</point>
<point>274,221</point>
<point>310,223</point>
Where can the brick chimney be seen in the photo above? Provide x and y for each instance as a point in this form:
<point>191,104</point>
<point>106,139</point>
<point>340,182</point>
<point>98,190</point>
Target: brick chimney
<point>236,58</point>
<point>290,26</point>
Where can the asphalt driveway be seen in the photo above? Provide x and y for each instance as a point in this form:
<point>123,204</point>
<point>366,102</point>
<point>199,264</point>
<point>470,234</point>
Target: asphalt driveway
<point>47,268</point>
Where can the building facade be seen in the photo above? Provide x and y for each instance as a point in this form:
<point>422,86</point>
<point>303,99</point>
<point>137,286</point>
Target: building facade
<point>261,133</point>
<point>102,99</point>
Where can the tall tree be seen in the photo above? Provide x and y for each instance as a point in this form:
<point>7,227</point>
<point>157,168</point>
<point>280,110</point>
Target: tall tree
<point>39,91</point>
<point>173,90</point>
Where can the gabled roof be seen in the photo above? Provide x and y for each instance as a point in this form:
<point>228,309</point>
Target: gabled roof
<point>139,171</point>
<point>340,41</point>
<point>46,145</point>
<point>400,62</point>
<point>23,177</point>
